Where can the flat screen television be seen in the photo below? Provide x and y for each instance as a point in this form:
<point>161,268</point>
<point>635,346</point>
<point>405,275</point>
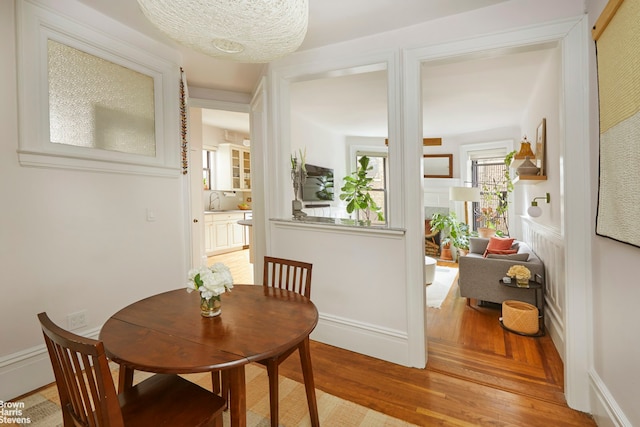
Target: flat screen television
<point>319,184</point>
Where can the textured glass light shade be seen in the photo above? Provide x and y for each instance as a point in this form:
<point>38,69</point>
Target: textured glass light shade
<point>241,30</point>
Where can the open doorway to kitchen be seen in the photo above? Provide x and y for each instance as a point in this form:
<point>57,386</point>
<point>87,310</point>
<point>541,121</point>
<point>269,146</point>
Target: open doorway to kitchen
<point>221,192</point>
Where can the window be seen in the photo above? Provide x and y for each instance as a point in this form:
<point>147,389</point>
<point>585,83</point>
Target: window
<point>488,175</point>
<point>94,101</point>
<point>208,175</point>
<point>378,165</point>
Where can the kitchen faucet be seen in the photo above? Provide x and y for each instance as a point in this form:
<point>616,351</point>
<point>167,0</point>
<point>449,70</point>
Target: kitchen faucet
<point>212,200</point>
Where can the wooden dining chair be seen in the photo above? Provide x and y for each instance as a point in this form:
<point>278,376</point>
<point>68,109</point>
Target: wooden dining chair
<point>88,395</point>
<point>293,276</point>
<point>287,274</point>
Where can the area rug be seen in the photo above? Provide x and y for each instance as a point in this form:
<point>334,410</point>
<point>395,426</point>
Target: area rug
<point>437,291</point>
<point>43,408</point>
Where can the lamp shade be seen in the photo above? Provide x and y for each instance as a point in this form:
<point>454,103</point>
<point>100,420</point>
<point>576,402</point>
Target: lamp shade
<point>241,30</point>
<point>534,211</point>
<point>464,194</point>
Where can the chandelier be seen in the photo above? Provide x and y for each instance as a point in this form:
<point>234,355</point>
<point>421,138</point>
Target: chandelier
<point>240,30</point>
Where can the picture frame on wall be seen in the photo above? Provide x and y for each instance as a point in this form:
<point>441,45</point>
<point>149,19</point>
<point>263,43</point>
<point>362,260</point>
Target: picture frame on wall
<point>541,140</point>
<point>438,165</point>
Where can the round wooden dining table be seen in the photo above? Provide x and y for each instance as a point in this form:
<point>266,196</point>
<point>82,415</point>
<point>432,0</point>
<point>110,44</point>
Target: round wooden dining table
<point>165,333</point>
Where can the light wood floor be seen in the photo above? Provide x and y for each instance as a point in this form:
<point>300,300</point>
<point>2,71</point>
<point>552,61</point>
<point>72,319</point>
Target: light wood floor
<point>238,263</point>
<point>477,374</point>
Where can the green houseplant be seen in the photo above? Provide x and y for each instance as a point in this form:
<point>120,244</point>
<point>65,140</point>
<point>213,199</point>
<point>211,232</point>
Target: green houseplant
<point>454,233</point>
<point>355,192</point>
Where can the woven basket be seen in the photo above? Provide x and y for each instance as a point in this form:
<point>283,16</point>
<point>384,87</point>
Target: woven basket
<point>520,317</point>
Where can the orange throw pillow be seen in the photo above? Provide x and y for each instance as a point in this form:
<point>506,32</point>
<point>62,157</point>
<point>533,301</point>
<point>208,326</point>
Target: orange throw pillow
<point>500,245</point>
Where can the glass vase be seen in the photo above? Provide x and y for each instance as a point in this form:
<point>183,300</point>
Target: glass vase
<point>211,307</point>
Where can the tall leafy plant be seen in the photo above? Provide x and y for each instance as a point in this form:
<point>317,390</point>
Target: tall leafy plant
<point>355,192</point>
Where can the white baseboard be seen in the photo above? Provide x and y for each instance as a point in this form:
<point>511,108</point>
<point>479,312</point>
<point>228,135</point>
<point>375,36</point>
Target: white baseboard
<point>370,340</point>
<point>604,408</point>
<point>29,369</point>
<point>556,332</point>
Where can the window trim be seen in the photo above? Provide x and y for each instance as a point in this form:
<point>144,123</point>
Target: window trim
<point>36,25</point>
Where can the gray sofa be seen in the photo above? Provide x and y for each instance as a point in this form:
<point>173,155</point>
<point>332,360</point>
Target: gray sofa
<point>479,277</point>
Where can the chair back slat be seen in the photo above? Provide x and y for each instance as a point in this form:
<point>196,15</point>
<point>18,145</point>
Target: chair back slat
<point>287,274</point>
<point>85,385</point>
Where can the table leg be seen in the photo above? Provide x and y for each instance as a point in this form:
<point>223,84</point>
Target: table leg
<point>238,396</point>
<point>125,378</point>
<point>307,373</point>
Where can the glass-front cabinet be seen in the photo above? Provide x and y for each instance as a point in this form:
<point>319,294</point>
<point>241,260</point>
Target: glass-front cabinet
<point>236,169</point>
<point>233,166</point>
<point>246,169</point>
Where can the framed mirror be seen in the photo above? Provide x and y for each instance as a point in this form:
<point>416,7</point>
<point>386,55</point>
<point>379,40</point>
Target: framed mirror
<point>438,165</point>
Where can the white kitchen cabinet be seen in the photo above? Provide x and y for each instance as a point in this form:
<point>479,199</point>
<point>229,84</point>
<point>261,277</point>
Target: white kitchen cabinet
<point>237,233</point>
<point>209,234</point>
<point>233,168</point>
<point>227,234</point>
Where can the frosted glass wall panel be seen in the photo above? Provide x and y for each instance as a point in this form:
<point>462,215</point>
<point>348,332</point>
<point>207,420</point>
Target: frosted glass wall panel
<point>98,104</point>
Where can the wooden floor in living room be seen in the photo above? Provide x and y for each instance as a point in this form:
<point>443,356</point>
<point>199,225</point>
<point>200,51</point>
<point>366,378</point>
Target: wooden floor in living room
<point>477,374</point>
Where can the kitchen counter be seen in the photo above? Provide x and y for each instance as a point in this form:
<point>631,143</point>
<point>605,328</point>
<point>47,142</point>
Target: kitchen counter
<point>227,211</point>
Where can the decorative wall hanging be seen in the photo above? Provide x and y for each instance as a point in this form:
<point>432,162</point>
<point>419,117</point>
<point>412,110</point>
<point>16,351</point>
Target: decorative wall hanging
<point>183,124</point>
<point>617,37</point>
<point>541,142</point>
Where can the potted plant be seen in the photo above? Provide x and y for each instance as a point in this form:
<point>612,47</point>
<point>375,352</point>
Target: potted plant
<point>449,226</point>
<point>461,242</point>
<point>355,192</point>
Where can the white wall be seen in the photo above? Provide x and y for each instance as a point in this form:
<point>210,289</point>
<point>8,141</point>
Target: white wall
<point>615,340</point>
<point>545,103</point>
<point>74,240</point>
<point>360,308</point>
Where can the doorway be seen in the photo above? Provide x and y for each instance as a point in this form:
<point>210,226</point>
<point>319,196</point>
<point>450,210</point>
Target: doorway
<point>221,195</point>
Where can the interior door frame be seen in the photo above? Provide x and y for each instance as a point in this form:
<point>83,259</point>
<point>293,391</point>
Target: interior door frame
<point>572,34</point>
<point>195,205</point>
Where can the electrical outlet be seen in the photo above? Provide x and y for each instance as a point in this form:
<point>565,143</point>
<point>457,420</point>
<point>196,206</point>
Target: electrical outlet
<point>77,320</point>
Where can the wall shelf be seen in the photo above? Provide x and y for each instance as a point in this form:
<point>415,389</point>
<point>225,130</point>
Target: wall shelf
<point>529,179</point>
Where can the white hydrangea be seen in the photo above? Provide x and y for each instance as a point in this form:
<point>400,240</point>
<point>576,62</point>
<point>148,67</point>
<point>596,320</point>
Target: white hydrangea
<point>210,281</point>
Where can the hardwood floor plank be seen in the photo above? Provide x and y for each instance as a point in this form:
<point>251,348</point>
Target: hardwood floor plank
<point>478,374</point>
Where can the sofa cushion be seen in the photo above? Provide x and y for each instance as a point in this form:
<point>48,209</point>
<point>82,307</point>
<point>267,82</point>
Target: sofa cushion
<point>513,257</point>
<point>500,245</point>
<point>500,252</point>
<point>477,245</point>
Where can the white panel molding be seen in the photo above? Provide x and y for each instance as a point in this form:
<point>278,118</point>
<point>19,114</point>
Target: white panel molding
<point>549,245</point>
<point>604,408</point>
<point>29,369</point>
<point>372,340</point>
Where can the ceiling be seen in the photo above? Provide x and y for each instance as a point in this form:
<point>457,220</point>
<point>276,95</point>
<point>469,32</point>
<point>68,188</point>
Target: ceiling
<point>465,95</point>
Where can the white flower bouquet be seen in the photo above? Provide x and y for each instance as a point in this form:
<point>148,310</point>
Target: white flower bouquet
<point>211,282</point>
<point>520,272</point>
